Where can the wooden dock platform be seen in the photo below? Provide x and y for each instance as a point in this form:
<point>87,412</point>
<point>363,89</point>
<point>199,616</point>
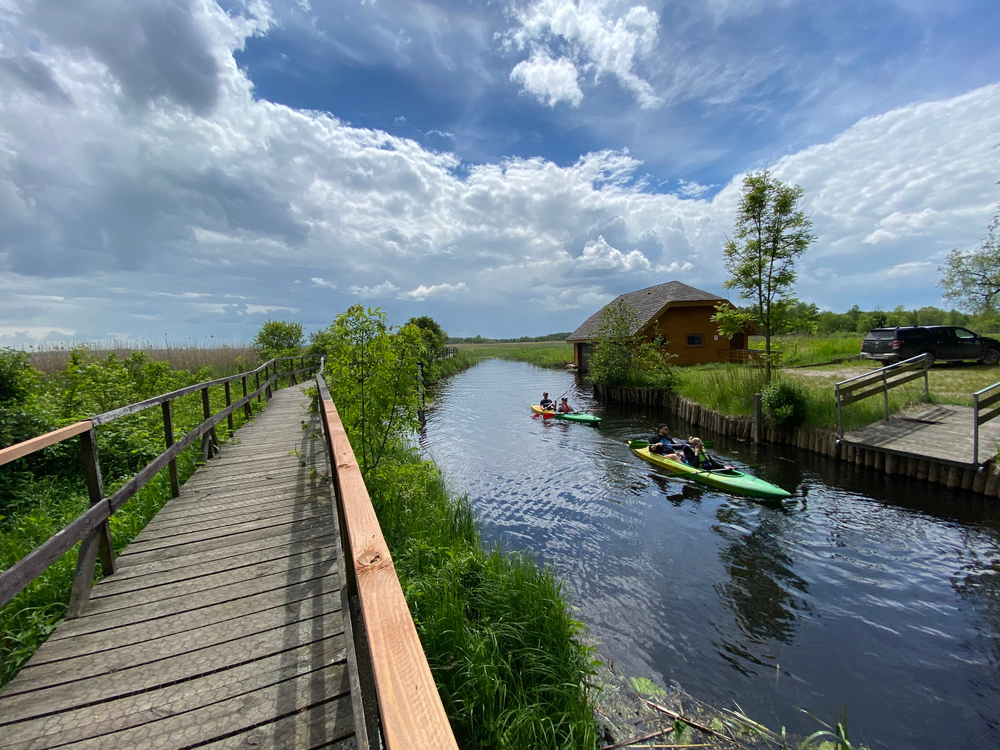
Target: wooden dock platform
<point>221,628</point>
<point>935,432</point>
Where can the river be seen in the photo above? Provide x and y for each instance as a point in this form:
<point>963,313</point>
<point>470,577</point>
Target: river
<point>876,593</point>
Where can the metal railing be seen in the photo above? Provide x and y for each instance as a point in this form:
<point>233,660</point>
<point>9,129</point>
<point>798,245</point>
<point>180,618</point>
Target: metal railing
<point>92,528</point>
<point>981,401</point>
<point>881,381</point>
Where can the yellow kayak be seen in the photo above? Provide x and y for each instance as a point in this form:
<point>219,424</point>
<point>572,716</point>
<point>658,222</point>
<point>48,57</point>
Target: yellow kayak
<point>729,480</point>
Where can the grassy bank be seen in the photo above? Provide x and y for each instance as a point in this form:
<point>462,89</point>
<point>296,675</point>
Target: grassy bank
<point>798,350</point>
<point>496,630</point>
<point>730,388</point>
<point>542,354</point>
<point>41,493</point>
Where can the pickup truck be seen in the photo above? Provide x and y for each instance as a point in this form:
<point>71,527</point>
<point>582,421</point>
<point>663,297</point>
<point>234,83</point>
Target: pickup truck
<point>944,343</point>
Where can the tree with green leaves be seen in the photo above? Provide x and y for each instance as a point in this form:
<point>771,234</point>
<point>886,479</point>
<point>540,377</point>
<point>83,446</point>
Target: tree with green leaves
<point>371,368</point>
<point>278,338</point>
<point>432,332</point>
<point>972,279</point>
<point>621,357</point>
<point>771,232</point>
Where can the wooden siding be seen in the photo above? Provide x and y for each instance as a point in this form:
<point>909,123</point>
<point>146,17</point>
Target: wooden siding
<point>683,319</point>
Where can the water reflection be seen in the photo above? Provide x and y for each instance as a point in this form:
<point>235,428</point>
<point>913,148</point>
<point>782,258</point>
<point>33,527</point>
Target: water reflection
<point>872,592</point>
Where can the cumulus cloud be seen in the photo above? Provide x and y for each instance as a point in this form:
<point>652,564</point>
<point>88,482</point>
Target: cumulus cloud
<point>597,37</point>
<point>550,81</point>
<point>171,177</point>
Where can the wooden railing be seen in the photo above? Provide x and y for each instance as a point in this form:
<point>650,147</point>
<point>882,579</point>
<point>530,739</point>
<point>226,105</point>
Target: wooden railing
<point>91,528</point>
<point>881,381</point>
<point>981,401</point>
<point>407,705</point>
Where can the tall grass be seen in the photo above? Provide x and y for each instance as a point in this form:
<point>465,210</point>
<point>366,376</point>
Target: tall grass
<point>222,357</point>
<point>496,630</point>
<point>799,349</point>
<point>727,388</point>
<point>543,354</point>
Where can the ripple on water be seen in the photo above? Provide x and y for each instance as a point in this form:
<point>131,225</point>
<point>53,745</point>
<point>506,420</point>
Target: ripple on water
<point>874,593</point>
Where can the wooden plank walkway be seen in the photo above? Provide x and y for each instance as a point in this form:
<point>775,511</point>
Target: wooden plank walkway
<point>222,627</point>
<point>935,432</point>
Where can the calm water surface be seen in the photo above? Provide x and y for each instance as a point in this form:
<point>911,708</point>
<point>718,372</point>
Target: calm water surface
<point>875,593</point>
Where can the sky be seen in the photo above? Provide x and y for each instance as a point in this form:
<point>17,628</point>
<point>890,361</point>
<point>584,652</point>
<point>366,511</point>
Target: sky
<point>184,169</point>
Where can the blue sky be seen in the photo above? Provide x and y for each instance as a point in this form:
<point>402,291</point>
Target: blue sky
<point>186,168</point>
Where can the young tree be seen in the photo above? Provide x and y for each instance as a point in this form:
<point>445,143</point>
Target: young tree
<point>771,232</point>
<point>972,279</point>
<point>278,338</point>
<point>621,357</point>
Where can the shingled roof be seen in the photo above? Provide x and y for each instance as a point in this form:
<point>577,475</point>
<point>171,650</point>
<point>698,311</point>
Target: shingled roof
<point>648,303</point>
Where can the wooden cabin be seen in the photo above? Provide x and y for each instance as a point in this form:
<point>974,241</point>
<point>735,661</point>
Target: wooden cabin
<point>680,314</point>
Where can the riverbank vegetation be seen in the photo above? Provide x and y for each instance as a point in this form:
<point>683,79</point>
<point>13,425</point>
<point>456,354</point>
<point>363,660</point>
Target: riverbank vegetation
<point>41,493</point>
<point>501,644</point>
<point>621,358</point>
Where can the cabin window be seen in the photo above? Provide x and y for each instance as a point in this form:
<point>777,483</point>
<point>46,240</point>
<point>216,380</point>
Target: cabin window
<point>696,339</point>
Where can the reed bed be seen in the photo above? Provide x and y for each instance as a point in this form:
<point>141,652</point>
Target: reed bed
<point>222,357</point>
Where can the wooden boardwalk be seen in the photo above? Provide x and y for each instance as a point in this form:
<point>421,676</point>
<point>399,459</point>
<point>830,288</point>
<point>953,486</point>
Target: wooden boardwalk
<point>222,627</point>
<point>936,432</point>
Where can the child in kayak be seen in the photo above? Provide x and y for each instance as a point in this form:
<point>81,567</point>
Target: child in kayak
<point>565,408</point>
<point>546,402</point>
<point>695,455</point>
<point>663,444</point>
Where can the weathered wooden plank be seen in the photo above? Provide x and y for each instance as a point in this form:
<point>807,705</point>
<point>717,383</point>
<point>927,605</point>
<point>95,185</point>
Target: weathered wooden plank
<point>227,506</point>
<point>135,710</point>
<point>294,567</point>
<point>91,663</point>
<point>220,536</point>
<point>27,447</point>
<point>222,514</point>
<point>140,565</point>
<point>409,704</point>
<point>155,538</point>
<point>75,693</point>
<point>225,598</point>
<point>155,577</point>
<point>324,725</point>
<point>989,400</point>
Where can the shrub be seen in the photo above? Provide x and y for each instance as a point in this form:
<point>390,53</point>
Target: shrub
<point>622,357</point>
<point>784,401</point>
<point>278,338</point>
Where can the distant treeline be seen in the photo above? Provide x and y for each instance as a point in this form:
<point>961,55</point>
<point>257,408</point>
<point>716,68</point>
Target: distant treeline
<point>795,316</point>
<point>518,340</point>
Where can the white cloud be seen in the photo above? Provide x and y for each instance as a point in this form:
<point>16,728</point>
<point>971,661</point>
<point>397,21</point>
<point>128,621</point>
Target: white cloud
<point>692,189</point>
<point>550,81</point>
<point>435,291</point>
<point>600,255</point>
<point>101,194</point>
<point>599,38</point>
<point>385,289</point>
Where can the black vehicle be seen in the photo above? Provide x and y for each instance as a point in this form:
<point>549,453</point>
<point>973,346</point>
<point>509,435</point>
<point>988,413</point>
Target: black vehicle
<point>944,343</point>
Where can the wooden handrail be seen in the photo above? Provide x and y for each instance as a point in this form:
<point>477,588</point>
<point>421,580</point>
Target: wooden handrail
<point>981,401</point>
<point>93,521</point>
<point>881,381</point>
<point>413,717</point>
<point>27,447</point>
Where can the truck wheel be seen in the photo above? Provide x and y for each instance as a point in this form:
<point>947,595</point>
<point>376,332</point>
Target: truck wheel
<point>991,357</point>
<point>928,351</point>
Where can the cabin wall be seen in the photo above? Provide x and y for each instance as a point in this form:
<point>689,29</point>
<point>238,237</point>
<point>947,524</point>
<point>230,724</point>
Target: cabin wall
<point>682,325</point>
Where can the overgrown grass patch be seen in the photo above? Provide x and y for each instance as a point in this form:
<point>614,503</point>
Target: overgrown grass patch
<point>542,354</point>
<point>501,643</point>
<point>800,349</point>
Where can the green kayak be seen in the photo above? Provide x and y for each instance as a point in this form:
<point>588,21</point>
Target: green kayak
<point>729,480</point>
<point>576,416</point>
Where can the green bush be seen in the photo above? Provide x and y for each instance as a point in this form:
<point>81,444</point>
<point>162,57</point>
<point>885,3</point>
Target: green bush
<point>784,402</point>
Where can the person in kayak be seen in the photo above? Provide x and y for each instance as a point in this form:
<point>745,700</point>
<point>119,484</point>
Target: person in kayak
<point>546,402</point>
<point>695,455</point>
<point>663,444</point>
<point>565,408</point>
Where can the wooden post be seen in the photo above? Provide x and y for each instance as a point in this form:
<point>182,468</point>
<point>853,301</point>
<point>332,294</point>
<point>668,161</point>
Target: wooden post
<point>885,394</point>
<point>257,387</point>
<point>99,540</point>
<point>247,411</point>
<point>757,417</point>
<point>168,438</point>
<point>208,441</point>
<point>267,378</point>
<point>291,378</point>
<point>229,401</point>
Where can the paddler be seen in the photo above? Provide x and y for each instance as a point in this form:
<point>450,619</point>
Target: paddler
<point>565,408</point>
<point>546,402</point>
<point>695,455</point>
<point>663,444</point>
